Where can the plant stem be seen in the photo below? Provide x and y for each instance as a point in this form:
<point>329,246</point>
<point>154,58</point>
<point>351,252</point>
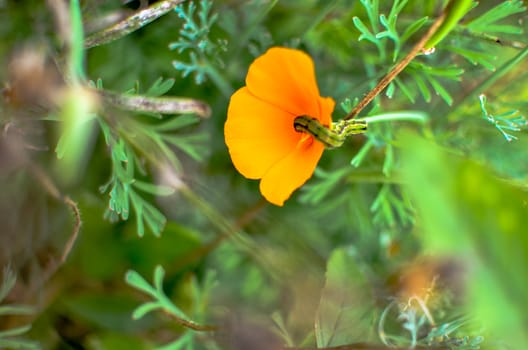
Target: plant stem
<point>76,58</point>
<point>413,116</point>
<point>397,69</point>
<point>163,105</point>
<point>221,82</point>
<point>131,24</point>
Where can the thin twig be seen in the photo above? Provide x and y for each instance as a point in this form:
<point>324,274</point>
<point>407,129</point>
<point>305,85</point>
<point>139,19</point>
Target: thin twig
<point>53,191</point>
<point>131,24</point>
<point>163,105</point>
<point>397,69</point>
<point>192,325</point>
<point>76,228</point>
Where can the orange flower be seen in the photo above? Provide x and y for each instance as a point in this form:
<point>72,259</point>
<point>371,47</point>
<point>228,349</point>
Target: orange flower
<point>259,131</point>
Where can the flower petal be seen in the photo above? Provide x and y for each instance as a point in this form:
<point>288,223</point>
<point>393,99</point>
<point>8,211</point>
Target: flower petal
<point>257,134</point>
<point>326,107</point>
<point>291,172</point>
<point>285,78</point>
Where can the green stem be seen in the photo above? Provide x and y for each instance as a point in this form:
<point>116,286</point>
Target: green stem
<point>385,81</point>
<point>167,305</point>
<point>222,83</point>
<point>76,59</point>
<point>412,116</point>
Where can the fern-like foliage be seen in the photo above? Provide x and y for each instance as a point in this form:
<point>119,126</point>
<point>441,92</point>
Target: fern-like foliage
<point>383,30</point>
<point>125,190</point>
<point>325,183</point>
<point>414,318</point>
<point>130,141</point>
<point>506,123</point>
<point>161,302</point>
<point>486,28</point>
<point>489,22</point>
<point>392,207</point>
<point>203,52</point>
<point>421,76</point>
<point>427,75</point>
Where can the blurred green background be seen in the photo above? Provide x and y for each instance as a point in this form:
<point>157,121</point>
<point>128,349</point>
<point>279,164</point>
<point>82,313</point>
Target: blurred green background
<point>412,235</point>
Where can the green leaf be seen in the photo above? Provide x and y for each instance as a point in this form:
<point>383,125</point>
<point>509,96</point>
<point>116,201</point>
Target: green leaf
<point>474,57</point>
<point>405,89</point>
<point>451,72</point>
<point>372,8</point>
<point>19,344</point>
<point>147,212</point>
<point>365,33</point>
<point>156,190</point>
<point>135,280</point>
<point>16,310</point>
<point>155,291</point>
<point>119,151</point>
<point>13,332</point>
<point>159,274</point>
<point>154,218</point>
<point>176,123</point>
<point>440,90</point>
<point>160,87</point>
<point>8,282</point>
<point>422,87</point>
<point>486,22</point>
<point>346,306</point>
<point>192,145</point>
<point>184,342</point>
<point>326,181</point>
<point>413,28</point>
<point>362,153</point>
<point>144,309</point>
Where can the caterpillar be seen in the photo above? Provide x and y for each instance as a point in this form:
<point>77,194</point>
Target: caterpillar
<point>331,137</point>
